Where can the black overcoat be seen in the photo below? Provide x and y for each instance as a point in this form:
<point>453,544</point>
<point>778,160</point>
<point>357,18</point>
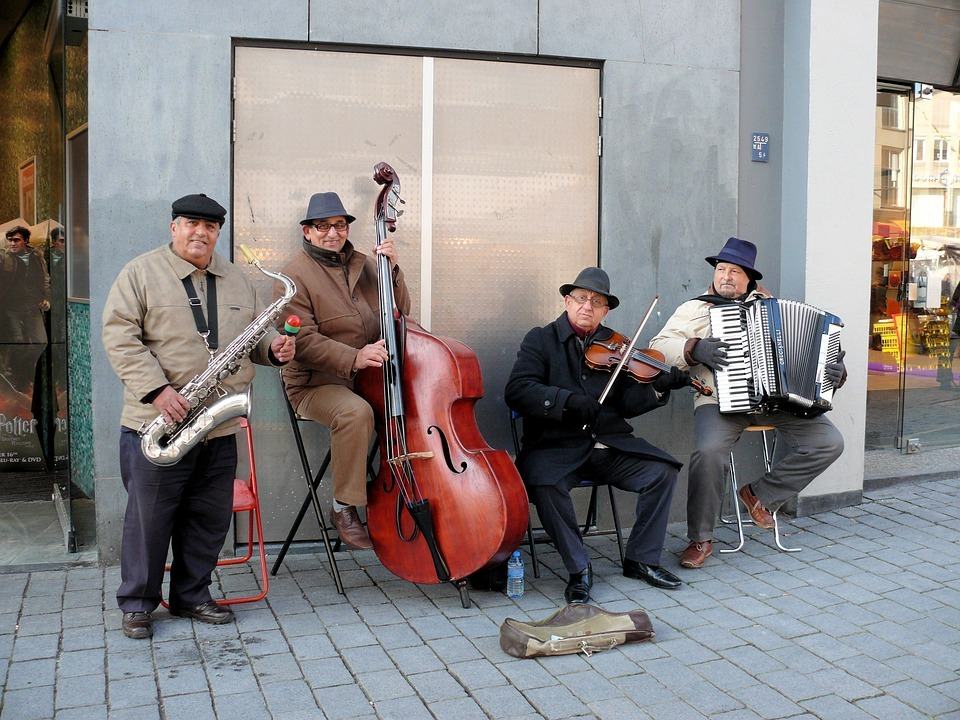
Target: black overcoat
<point>549,368</point>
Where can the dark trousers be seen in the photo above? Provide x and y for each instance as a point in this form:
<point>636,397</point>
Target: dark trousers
<point>811,445</point>
<point>652,480</point>
<point>188,505</point>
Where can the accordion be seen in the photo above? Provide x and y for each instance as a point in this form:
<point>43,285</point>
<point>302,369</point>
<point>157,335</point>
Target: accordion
<point>778,349</point>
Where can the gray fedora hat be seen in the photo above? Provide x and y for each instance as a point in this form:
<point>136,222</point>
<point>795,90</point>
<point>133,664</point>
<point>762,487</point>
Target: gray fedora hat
<point>324,205</point>
<point>592,278</point>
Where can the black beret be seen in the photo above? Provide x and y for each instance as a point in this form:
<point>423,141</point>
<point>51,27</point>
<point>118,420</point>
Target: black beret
<point>199,207</point>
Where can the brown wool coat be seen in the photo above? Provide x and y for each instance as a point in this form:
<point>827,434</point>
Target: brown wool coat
<point>337,302</point>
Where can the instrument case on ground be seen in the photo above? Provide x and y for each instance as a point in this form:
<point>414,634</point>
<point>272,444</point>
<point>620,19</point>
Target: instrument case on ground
<point>574,629</point>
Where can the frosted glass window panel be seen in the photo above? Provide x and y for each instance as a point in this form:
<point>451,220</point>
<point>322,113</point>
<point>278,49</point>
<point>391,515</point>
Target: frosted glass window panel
<point>515,206</point>
<point>308,122</point>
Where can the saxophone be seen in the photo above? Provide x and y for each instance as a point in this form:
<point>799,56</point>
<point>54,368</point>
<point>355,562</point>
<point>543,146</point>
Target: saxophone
<point>165,443</point>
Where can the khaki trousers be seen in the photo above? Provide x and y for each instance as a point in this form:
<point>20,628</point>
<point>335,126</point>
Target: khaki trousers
<point>350,419</point>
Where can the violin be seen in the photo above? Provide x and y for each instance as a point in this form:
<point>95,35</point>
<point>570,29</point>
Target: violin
<point>643,365</point>
<point>444,504</point>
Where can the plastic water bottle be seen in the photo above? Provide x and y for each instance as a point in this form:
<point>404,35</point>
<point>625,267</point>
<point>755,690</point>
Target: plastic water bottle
<point>515,576</point>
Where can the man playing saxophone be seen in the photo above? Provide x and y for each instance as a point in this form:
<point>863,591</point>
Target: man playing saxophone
<point>148,332</point>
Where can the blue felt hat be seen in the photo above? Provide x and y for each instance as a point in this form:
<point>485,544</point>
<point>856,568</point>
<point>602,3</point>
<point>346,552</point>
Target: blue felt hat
<point>739,252</point>
<point>325,205</point>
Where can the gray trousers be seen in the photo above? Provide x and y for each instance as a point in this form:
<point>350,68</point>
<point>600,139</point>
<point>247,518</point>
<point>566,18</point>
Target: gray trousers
<point>652,480</point>
<point>812,444</point>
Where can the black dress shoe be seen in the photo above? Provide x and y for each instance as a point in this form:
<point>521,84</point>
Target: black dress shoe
<point>208,612</point>
<point>137,625</point>
<point>653,574</point>
<point>578,586</point>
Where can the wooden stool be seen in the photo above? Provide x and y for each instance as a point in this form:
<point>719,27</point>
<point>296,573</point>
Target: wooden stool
<point>768,450</point>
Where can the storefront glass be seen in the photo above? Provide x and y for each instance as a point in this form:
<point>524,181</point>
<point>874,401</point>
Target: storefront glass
<point>913,398</point>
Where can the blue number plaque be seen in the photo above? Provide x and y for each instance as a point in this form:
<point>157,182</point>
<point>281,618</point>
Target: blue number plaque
<point>760,147</point>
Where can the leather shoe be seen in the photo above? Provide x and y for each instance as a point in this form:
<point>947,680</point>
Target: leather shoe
<point>578,586</point>
<point>696,554</point>
<point>761,516</point>
<point>138,625</point>
<point>350,529</point>
<point>652,574</point>
<point>208,612</point>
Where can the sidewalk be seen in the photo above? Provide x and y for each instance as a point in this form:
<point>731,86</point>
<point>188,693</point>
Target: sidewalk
<point>863,623</point>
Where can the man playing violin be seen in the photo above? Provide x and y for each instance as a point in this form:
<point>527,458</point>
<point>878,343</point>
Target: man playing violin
<point>813,443</point>
<point>568,434</point>
<point>337,301</point>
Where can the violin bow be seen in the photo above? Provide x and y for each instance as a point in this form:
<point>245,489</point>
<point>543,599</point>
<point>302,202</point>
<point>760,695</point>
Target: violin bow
<point>629,352</point>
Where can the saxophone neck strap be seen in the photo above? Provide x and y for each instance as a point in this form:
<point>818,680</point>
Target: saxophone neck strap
<point>208,333</point>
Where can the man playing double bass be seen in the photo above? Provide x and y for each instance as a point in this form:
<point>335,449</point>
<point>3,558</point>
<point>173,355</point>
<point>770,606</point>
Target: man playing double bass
<point>337,301</point>
<point>568,434</point>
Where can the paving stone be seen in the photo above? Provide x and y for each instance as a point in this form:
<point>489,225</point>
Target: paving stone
<point>403,708</point>
<point>188,707</point>
<point>416,659</point>
<point>589,686</point>
<point>870,670</point>
<point>35,703</point>
<point>343,701</point>
<point>241,706</point>
<point>88,712</point>
<point>644,690</point>
<point>555,702</point>
<point>675,710</point>
<point>461,709</point>
<point>724,674</point>
<point>525,675</point>
<point>35,647</point>
<point>765,701</point>
<point>367,659</point>
<point>80,691</point>
<point>475,674</point>
<point>454,649</point>
<point>351,636</point>
<point>886,706</point>
<point>503,702</point>
<point>31,673</point>
<point>384,685</point>
<point>131,692</point>
<point>182,680</point>
<point>843,684</point>
<point>925,699</point>
<point>289,696</point>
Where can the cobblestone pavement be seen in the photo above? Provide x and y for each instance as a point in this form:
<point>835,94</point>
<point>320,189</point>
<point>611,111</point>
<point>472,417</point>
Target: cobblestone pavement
<point>863,623</point>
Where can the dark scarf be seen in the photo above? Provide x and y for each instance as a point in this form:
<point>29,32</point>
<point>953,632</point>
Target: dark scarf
<point>329,257</point>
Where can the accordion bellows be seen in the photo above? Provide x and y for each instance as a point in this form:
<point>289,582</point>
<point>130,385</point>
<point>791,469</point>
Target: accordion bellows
<point>574,629</point>
<point>778,350</point>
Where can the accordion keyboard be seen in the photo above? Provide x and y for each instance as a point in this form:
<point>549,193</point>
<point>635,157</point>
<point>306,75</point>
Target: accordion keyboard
<point>735,381</point>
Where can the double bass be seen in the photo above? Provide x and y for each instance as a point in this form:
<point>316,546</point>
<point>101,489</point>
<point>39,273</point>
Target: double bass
<point>444,504</point>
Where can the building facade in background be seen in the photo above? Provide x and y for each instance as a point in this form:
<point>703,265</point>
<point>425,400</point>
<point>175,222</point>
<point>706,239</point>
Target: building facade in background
<point>532,137</point>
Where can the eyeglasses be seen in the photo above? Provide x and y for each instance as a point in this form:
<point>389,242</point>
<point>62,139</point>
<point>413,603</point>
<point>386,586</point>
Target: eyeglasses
<point>324,227</point>
<point>597,301</point>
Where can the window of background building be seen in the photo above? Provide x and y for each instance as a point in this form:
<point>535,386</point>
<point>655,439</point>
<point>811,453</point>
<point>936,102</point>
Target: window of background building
<point>940,150</point>
<point>918,147</point>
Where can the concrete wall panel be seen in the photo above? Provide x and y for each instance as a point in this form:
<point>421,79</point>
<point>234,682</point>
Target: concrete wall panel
<point>612,30</point>
<point>482,25</point>
<point>688,32</point>
<point>153,138</point>
<point>278,19</point>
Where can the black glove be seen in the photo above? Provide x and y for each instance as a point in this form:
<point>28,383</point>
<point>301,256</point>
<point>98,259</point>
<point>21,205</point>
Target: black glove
<point>835,371</point>
<point>711,352</point>
<point>675,378</point>
<point>582,408</point>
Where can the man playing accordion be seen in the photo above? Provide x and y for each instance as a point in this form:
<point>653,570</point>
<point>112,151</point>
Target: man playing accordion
<point>812,443</point>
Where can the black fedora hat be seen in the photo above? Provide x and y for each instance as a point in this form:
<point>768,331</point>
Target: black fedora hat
<point>324,205</point>
<point>198,207</point>
<point>592,278</point>
<point>739,252</point>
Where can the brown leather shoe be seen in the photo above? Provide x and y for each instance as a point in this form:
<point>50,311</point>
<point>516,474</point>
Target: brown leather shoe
<point>350,529</point>
<point>696,554</point>
<point>137,625</point>
<point>761,516</point>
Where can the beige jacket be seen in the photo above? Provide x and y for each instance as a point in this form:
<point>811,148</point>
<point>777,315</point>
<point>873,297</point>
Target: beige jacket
<point>150,335</point>
<point>689,323</point>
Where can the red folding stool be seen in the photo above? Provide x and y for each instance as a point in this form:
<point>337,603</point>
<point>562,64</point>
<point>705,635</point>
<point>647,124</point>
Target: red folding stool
<point>246,500</point>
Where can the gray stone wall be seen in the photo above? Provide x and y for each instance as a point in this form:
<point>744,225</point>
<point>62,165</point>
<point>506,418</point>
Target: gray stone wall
<point>160,118</point>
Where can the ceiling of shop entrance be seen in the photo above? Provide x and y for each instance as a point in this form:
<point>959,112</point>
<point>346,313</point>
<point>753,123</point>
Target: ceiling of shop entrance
<point>10,13</point>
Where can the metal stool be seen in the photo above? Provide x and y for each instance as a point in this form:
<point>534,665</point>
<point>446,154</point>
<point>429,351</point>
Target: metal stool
<point>313,482</point>
<point>245,500</point>
<point>768,450</point>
